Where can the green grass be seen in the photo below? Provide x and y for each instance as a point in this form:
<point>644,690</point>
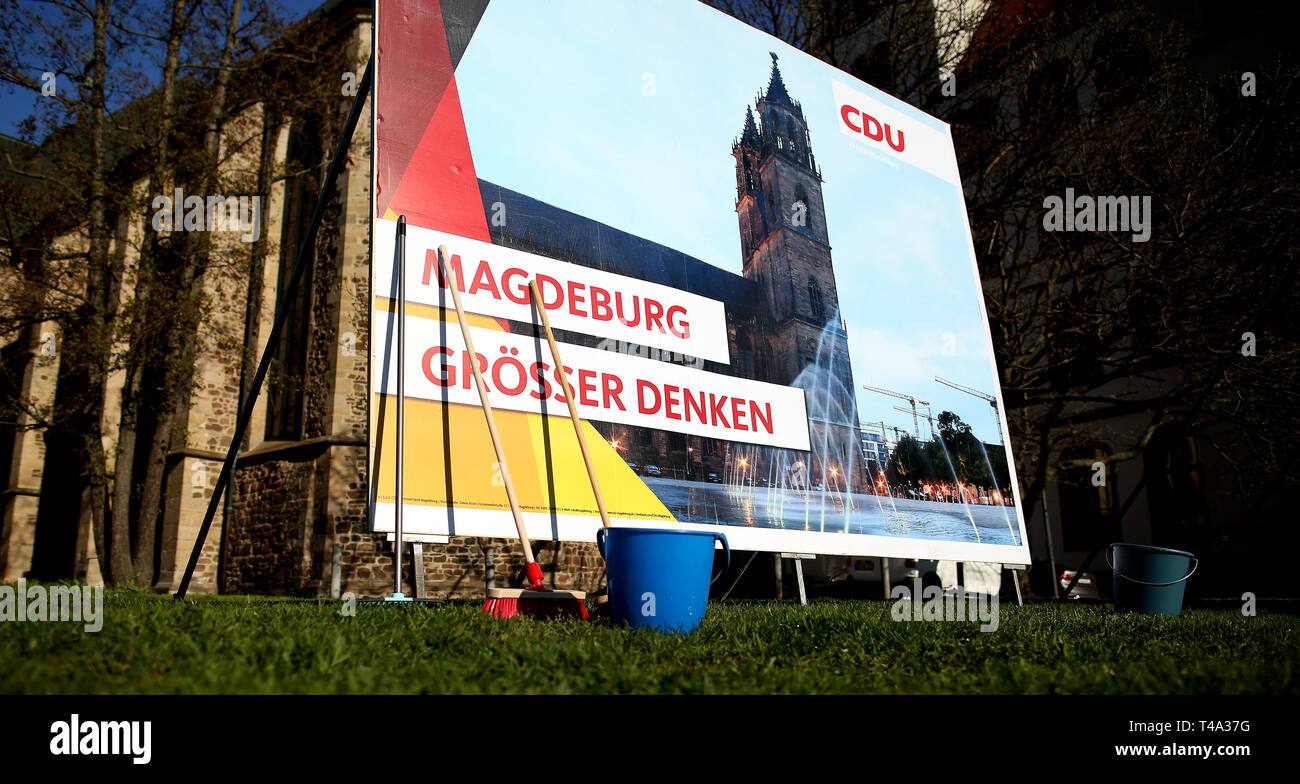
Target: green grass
<point>152,644</point>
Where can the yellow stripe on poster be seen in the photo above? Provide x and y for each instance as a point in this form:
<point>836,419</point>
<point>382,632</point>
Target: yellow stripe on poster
<point>435,313</point>
<point>567,481</point>
<point>547,469</point>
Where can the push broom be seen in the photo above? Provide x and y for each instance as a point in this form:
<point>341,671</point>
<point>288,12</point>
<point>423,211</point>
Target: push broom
<point>536,599</point>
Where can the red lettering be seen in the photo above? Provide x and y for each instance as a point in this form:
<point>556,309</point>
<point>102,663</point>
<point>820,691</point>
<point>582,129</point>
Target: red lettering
<point>550,303</point>
<point>600,309</point>
<point>681,329</point>
<point>483,280</point>
<point>671,401</point>
<point>432,267</point>
<point>521,378</point>
<point>467,372</point>
<point>636,309</point>
<point>576,299</point>
<point>585,385</point>
<point>759,418</point>
<point>737,414</point>
<point>867,122</point>
<point>643,386</point>
<point>845,111</point>
<point>516,294</point>
<point>612,386</point>
<point>654,313</point>
<point>539,368</point>
<point>871,127</point>
<point>715,410</point>
<point>448,376</point>
<point>898,146</point>
<point>564,388</point>
<point>698,406</point>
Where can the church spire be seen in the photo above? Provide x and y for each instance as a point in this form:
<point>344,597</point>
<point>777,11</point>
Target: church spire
<point>776,92</point>
<point>750,134</point>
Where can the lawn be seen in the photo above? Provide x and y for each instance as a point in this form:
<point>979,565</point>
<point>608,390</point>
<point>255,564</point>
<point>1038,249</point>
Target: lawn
<point>152,644</point>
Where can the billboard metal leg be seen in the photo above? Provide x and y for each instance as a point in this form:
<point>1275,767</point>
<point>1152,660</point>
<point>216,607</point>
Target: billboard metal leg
<point>798,559</point>
<point>336,572</point>
<point>417,565</point>
<point>398,541</point>
<point>739,575</point>
<point>798,576</point>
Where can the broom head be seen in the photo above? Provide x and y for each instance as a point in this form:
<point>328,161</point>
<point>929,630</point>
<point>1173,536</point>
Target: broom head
<point>535,603</point>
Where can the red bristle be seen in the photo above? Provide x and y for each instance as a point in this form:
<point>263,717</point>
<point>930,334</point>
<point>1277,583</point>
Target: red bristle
<point>535,607</point>
<point>501,608</point>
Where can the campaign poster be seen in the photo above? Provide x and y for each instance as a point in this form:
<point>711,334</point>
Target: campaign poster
<point>757,268</point>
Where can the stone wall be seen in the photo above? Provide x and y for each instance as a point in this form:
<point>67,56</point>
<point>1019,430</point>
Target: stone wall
<point>269,526</point>
<point>293,503</point>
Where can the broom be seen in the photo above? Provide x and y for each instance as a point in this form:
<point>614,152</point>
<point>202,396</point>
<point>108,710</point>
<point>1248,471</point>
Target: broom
<point>536,600</point>
<point>573,410</point>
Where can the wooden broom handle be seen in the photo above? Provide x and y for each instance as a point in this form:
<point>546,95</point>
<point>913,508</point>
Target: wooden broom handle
<point>487,407</point>
<point>568,398</point>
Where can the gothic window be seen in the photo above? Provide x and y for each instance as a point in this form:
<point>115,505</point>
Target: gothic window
<point>285,400</point>
<point>815,301</point>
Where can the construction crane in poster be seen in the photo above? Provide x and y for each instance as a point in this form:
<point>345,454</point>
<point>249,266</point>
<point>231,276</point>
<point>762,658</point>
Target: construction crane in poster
<point>927,416</point>
<point>992,401</point>
<point>916,422</point>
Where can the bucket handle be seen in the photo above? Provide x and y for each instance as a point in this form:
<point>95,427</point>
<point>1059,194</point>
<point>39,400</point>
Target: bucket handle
<point>726,549</point>
<point>1195,563</point>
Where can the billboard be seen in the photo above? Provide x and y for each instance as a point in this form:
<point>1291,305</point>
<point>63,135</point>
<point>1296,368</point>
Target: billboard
<point>751,260</point>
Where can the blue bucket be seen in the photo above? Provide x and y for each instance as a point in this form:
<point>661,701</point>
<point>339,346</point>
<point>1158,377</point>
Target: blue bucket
<point>1150,579</point>
<point>659,579</point>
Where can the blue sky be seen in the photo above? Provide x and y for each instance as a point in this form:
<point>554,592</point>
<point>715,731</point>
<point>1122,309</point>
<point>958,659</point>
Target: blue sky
<point>16,104</point>
<point>625,112</point>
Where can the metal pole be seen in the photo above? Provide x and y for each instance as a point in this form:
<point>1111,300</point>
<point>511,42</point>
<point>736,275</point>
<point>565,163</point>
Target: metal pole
<point>401,402</point>
<point>417,565</point>
<point>305,252</point>
<point>739,575</point>
<point>336,572</point>
<point>798,573</point>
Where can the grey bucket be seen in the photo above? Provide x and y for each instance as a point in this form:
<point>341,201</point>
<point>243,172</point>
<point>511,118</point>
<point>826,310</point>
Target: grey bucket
<point>1150,579</point>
